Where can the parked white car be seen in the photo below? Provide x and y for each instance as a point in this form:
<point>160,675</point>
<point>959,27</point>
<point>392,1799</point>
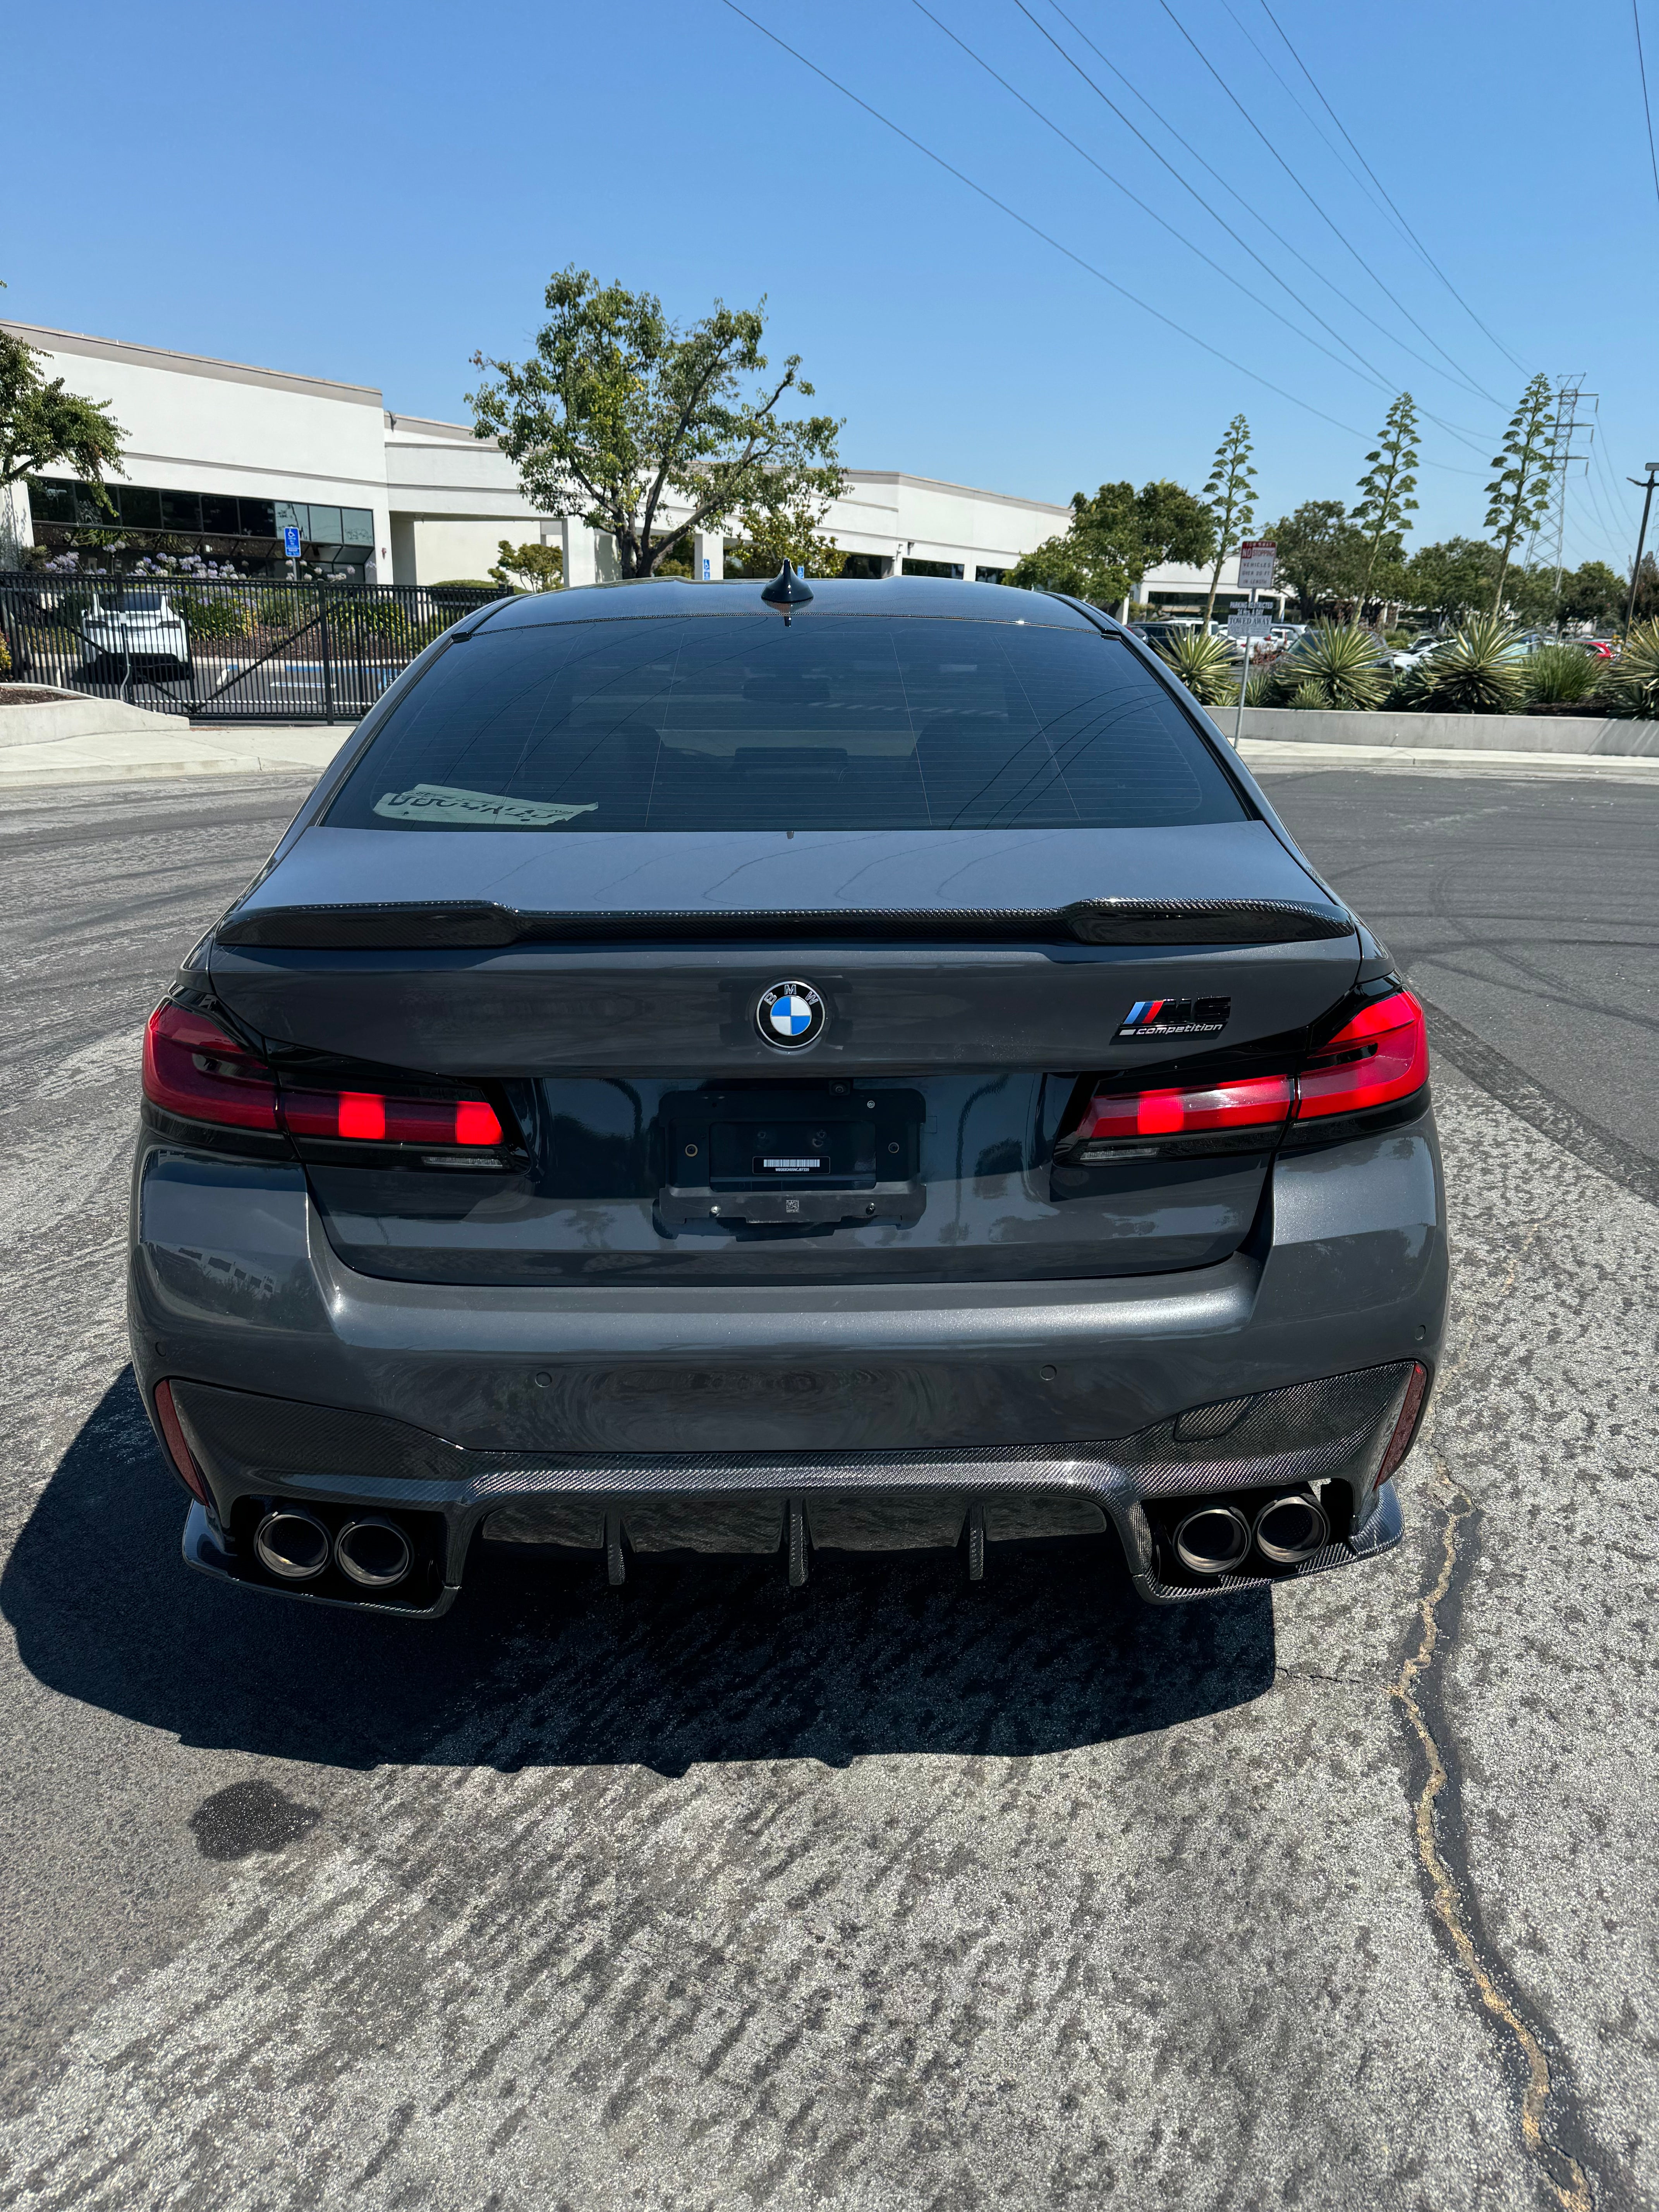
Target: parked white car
<point>133,634</point>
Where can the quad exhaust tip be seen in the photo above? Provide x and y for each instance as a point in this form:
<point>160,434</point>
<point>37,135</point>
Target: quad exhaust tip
<point>374,1552</point>
<point>1291,1529</point>
<point>1214,1540</point>
<point>292,1544</point>
<point>296,1546</point>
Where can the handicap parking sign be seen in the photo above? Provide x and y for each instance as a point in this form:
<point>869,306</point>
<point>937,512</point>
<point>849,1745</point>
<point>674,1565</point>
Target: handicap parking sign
<point>291,541</point>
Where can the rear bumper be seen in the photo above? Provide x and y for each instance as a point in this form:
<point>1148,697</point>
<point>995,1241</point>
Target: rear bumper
<point>464,1403</point>
<point>792,1511</point>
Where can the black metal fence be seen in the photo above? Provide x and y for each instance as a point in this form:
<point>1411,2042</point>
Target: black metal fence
<point>221,651</point>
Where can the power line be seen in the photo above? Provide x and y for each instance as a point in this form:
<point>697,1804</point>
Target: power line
<point>1453,430</point>
<point>1347,244</point>
<point>1383,189</point>
<point>1187,187</point>
<point>1647,110</point>
<point>1310,119</point>
<point>1608,540</point>
<point>1619,534</point>
<point>1239,285</point>
<point>1036,231</point>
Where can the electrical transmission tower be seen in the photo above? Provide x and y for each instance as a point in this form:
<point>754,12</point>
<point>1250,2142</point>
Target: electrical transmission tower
<point>1570,398</point>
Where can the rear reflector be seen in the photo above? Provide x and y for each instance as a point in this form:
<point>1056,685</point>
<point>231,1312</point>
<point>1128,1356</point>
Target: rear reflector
<point>178,1450</point>
<point>1252,1102</point>
<point>193,1067</point>
<point>381,1117</point>
<point>1382,1055</point>
<point>1405,1429</point>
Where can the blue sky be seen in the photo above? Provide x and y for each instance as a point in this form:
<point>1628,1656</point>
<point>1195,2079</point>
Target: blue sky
<point>372,192</point>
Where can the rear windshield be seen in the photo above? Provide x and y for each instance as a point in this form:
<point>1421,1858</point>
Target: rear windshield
<point>735,722</point>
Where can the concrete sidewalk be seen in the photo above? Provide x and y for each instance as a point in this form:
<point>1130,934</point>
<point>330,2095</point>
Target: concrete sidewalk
<point>169,746</point>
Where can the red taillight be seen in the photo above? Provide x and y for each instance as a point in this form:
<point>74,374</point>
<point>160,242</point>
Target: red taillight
<point>193,1067</point>
<point>178,1450</point>
<point>1382,1055</point>
<point>1194,1110</point>
<point>384,1118</point>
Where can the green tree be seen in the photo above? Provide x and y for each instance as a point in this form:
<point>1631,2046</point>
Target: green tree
<point>1531,593</point>
<point>538,568</point>
<point>1592,593</point>
<point>773,534</point>
<point>1451,578</point>
<point>1518,494</point>
<point>1644,603</point>
<point>1385,505</point>
<point>1321,555</point>
<point>41,424</point>
<point>1230,499</point>
<point>1115,537</point>
<point>619,407</point>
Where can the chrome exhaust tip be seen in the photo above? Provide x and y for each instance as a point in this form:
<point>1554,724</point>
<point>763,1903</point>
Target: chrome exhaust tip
<point>374,1552</point>
<point>1214,1540</point>
<point>292,1544</point>
<point>1291,1529</point>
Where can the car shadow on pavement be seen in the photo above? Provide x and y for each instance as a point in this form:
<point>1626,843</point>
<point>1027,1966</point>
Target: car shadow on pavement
<point>542,1664</point>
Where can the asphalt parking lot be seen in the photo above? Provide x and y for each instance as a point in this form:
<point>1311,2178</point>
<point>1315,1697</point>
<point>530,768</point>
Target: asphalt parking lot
<point>890,1892</point>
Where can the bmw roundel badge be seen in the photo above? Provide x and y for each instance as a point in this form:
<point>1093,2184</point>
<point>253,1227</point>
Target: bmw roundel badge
<point>790,1016</point>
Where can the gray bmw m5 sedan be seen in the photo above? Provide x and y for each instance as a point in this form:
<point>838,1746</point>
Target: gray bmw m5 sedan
<point>690,1080</point>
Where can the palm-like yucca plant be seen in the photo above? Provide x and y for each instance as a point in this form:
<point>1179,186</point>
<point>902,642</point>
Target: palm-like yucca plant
<point>1631,686</point>
<point>1201,663</point>
<point>1337,664</point>
<point>1557,676</point>
<point>1479,669</point>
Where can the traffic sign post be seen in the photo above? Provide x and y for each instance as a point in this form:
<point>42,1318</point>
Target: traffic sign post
<point>1257,559</point>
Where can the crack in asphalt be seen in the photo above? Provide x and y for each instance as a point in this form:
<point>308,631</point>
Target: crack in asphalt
<point>1447,1889</point>
<point>1441,1836</point>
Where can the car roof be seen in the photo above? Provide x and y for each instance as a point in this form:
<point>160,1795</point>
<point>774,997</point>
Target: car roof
<point>940,596</point>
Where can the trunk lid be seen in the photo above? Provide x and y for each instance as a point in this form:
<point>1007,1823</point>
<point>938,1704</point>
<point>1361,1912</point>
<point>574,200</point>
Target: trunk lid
<point>950,1000</point>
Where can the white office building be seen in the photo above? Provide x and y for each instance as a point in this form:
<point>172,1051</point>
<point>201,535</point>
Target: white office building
<point>223,460</point>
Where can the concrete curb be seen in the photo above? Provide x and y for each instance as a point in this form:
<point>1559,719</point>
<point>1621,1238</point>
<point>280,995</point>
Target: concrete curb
<point>1580,735</point>
<point>1603,768</point>
<point>75,714</point>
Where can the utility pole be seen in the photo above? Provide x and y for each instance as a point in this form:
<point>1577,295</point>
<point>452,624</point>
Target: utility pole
<point>1652,468</point>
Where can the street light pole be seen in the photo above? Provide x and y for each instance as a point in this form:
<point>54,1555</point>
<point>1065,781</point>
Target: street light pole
<point>1652,468</point>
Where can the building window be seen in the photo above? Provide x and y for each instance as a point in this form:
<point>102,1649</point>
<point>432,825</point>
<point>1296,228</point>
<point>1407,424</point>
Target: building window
<point>248,532</point>
<point>989,575</point>
<point>934,568</point>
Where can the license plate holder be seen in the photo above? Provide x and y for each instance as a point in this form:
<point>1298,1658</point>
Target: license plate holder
<point>865,1141</point>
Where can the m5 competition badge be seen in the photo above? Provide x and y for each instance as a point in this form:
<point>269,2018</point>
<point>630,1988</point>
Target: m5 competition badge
<point>1154,1019</point>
